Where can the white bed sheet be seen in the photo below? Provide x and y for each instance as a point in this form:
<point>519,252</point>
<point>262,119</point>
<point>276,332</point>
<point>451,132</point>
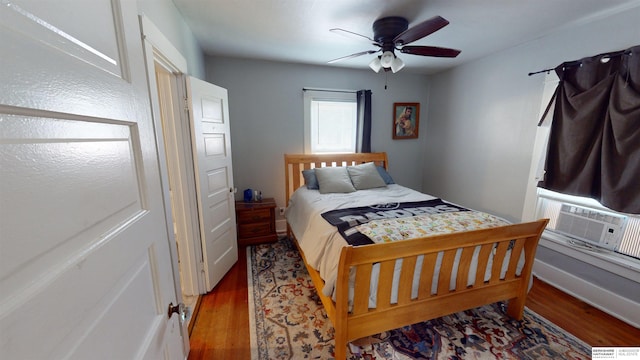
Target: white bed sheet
<point>317,237</point>
<point>322,243</point>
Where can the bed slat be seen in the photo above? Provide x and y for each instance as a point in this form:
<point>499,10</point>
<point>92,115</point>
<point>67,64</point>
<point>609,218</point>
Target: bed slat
<point>444,280</point>
<point>426,275</point>
<point>385,283</point>
<point>483,261</point>
<point>406,279</point>
<point>515,256</point>
<point>463,269</point>
<point>362,285</point>
<point>498,260</point>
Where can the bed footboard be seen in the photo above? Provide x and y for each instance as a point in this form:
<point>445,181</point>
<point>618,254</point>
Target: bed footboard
<point>358,320</point>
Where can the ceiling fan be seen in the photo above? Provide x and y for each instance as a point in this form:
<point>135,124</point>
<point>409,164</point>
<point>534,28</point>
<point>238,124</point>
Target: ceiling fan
<point>393,33</point>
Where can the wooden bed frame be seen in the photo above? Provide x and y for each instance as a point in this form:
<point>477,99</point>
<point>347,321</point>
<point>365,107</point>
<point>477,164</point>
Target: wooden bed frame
<point>362,321</point>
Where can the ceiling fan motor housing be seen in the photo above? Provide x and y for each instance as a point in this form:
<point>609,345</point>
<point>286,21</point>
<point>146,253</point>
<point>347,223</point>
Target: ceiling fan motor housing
<point>386,29</point>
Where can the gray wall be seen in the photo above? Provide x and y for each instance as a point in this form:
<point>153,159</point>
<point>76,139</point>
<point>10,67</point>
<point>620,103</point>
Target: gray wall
<point>266,115</point>
<point>165,16</point>
<point>483,115</point>
<point>482,124</point>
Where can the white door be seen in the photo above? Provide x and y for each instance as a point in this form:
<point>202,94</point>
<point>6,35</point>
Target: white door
<point>85,266</point>
<point>211,144</point>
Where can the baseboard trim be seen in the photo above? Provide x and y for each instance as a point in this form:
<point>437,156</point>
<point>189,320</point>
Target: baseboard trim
<point>194,314</point>
<point>281,227</point>
<point>603,299</point>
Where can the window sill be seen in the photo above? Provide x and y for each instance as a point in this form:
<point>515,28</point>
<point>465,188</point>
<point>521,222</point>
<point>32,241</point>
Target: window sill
<point>613,262</point>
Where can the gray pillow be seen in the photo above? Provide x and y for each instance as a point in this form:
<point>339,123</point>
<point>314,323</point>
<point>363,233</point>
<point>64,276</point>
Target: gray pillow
<point>310,179</point>
<point>385,175</point>
<point>334,180</point>
<point>365,176</point>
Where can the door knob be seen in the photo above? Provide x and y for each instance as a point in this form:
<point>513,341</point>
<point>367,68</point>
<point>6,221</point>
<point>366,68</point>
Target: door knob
<point>179,309</point>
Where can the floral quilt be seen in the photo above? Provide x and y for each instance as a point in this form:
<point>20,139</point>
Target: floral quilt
<point>388,230</point>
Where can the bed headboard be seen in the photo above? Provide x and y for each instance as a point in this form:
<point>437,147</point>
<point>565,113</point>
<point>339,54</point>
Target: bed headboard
<point>295,163</point>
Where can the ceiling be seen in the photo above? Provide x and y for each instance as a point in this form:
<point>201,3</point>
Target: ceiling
<point>298,30</point>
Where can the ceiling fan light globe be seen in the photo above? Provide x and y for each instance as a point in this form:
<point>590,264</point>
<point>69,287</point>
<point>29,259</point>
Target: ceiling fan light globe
<point>375,64</point>
<point>396,65</point>
<point>386,59</point>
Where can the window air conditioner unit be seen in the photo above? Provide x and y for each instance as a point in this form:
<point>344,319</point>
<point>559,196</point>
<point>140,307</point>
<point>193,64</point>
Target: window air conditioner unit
<point>592,226</point>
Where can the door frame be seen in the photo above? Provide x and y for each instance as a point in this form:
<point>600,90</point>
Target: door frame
<point>187,264</point>
<point>158,49</point>
<point>179,163</point>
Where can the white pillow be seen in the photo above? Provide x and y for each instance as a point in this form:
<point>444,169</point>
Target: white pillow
<point>365,176</point>
<point>334,180</point>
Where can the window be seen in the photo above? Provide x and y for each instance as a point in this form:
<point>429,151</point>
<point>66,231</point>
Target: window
<point>330,124</point>
<point>584,222</point>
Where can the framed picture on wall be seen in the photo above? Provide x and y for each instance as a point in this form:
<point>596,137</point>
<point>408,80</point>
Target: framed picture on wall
<point>406,118</point>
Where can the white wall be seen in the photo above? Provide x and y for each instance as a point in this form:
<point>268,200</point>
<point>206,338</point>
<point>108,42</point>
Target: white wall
<point>266,114</point>
<point>165,16</point>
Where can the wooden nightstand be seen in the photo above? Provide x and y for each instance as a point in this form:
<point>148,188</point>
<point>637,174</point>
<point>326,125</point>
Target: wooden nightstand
<point>256,221</point>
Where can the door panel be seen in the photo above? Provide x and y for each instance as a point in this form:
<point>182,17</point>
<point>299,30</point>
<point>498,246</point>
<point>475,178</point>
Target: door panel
<point>87,153</point>
<point>214,177</point>
<point>85,269</point>
<point>92,38</point>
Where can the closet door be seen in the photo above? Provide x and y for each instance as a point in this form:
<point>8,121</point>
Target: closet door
<point>85,267</point>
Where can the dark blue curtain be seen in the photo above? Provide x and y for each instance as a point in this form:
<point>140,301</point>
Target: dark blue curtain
<point>363,141</point>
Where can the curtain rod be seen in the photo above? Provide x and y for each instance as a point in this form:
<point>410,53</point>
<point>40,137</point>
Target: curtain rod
<point>579,62</point>
<point>329,90</point>
<point>541,71</point>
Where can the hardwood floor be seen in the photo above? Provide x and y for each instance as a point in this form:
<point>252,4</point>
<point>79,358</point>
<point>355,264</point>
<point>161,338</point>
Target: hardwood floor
<point>221,328</point>
<point>587,323</point>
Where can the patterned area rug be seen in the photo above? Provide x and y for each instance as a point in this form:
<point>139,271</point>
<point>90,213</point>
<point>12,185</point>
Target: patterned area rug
<point>288,321</point>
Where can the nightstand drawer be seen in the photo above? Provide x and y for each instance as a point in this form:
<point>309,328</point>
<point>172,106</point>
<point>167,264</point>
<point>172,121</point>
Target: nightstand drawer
<point>254,216</point>
<point>256,222</point>
<point>253,230</point>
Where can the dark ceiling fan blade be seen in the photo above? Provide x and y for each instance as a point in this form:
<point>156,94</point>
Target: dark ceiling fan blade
<point>420,30</point>
<point>430,51</point>
<point>353,55</point>
<point>352,35</point>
